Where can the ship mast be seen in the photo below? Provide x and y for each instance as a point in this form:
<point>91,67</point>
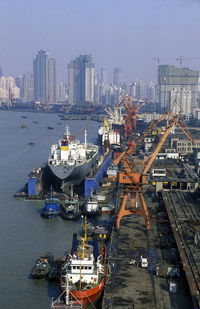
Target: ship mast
<point>67,294</point>
<point>85,139</point>
<point>83,240</point>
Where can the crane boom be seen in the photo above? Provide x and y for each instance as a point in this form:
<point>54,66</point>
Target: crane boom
<point>152,157</point>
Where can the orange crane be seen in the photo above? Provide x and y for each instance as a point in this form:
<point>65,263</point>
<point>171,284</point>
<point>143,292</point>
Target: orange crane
<point>135,174</point>
<point>132,108</point>
<point>72,137</point>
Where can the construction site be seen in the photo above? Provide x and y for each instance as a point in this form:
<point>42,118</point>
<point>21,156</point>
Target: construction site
<point>154,254</point>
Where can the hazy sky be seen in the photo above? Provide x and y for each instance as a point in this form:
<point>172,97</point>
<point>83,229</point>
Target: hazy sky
<point>124,33</point>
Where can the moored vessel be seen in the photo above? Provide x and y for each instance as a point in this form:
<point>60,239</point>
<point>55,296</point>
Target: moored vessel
<point>52,207</point>
<point>91,207</point>
<point>42,266</point>
<point>71,207</point>
<point>70,160</point>
<point>85,271</point>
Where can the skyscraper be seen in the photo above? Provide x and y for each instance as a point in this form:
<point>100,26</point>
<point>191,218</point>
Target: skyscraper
<point>62,92</point>
<point>1,72</point>
<point>117,78</point>
<point>81,76</point>
<point>104,75</point>
<point>177,89</point>
<point>27,87</point>
<point>44,71</point>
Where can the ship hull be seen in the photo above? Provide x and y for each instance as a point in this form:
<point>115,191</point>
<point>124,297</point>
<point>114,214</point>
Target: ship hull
<point>93,213</point>
<point>89,297</point>
<point>70,217</point>
<point>72,174</point>
<point>50,214</point>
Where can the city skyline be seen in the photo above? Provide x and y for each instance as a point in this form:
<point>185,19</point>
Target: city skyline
<point>126,34</point>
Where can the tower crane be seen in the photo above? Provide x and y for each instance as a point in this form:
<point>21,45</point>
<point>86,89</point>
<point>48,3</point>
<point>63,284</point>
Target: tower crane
<point>135,174</point>
<point>180,59</point>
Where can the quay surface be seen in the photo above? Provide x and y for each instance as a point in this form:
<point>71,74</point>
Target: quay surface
<point>184,212</point>
<point>131,286</point>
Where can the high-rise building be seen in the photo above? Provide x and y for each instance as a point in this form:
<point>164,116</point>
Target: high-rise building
<point>28,87</point>
<point>62,92</point>
<point>104,75</point>
<point>117,77</point>
<point>177,89</point>
<point>81,76</point>
<point>44,69</point>
<point>8,88</point>
<point>1,72</point>
<point>52,81</point>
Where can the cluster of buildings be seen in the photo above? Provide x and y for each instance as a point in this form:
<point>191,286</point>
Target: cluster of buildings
<point>177,89</point>
<point>84,85</point>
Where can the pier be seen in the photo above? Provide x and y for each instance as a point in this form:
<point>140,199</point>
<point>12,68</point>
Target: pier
<point>183,212</point>
<point>130,285</point>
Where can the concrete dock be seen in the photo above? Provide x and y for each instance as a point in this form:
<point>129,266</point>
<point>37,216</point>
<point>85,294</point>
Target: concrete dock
<point>184,213</point>
<point>131,286</point>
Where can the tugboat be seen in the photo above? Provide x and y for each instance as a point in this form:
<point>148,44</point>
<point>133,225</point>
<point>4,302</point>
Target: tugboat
<point>23,126</point>
<point>32,143</point>
<point>91,207</point>
<point>71,209</point>
<point>52,207</point>
<point>54,273</point>
<point>42,266</point>
<point>84,272</point>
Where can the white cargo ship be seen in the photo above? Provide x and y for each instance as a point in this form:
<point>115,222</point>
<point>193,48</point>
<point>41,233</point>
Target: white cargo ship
<point>70,160</point>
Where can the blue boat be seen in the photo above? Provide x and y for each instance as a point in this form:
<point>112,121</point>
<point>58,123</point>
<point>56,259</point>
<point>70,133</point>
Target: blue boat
<point>52,207</point>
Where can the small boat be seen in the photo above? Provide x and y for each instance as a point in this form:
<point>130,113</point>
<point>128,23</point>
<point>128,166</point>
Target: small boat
<point>54,273</point>
<point>32,143</point>
<point>50,128</point>
<point>84,272</point>
<point>42,266</point>
<point>52,207</point>
<point>91,207</point>
<point>24,117</point>
<point>71,208</point>
<point>23,126</point>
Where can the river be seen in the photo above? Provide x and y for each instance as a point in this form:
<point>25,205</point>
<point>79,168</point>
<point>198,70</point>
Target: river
<point>24,234</point>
